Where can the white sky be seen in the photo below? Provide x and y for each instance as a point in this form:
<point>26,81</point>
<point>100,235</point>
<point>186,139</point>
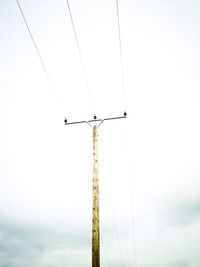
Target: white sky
<point>152,157</point>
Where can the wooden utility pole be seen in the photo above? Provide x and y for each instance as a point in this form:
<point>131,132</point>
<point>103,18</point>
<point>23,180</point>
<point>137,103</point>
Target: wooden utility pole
<point>95,185</point>
<point>95,206</point>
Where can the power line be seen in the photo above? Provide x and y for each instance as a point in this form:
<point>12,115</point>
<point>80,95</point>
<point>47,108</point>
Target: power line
<point>118,240</point>
<point>131,201</point>
<point>36,48</point>
<point>120,52</point>
<point>80,56</point>
<point>116,233</point>
<point>106,255</point>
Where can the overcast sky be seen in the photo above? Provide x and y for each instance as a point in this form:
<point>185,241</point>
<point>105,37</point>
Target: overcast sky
<point>149,163</point>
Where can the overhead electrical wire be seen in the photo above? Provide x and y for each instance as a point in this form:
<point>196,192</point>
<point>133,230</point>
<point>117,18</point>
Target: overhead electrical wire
<point>105,253</point>
<point>116,231</point>
<point>120,52</point>
<point>37,50</point>
<point>118,240</point>
<point>80,56</point>
<point>129,165</point>
<point>131,200</point>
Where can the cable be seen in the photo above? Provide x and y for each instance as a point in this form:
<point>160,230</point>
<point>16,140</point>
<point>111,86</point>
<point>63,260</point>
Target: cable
<point>106,255</point>
<point>36,48</point>
<point>131,201</point>
<point>80,56</point>
<point>117,233</point>
<point>120,51</point>
<point>118,241</point>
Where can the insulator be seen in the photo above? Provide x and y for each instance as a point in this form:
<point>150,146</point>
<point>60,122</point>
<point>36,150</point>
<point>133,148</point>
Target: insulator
<point>65,121</point>
<point>125,114</point>
<point>95,117</point>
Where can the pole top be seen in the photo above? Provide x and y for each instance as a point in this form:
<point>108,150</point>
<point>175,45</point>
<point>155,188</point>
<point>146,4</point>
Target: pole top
<point>95,120</point>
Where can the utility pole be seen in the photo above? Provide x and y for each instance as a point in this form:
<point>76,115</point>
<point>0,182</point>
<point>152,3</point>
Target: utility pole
<point>95,206</point>
<point>95,187</point>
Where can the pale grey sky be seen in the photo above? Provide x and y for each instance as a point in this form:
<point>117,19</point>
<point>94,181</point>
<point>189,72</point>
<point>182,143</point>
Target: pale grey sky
<point>150,160</point>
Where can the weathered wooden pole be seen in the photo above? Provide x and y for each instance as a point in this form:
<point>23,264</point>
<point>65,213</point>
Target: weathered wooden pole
<point>95,199</point>
<point>95,208</point>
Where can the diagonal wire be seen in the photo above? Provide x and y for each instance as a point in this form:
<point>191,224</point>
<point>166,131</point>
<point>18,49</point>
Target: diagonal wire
<point>116,232</point>
<point>120,51</point>
<point>80,55</point>
<point>118,240</point>
<point>105,252</point>
<point>36,48</point>
<point>131,199</point>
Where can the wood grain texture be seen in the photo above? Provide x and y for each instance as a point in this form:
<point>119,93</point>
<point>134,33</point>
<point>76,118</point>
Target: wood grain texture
<point>95,208</point>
